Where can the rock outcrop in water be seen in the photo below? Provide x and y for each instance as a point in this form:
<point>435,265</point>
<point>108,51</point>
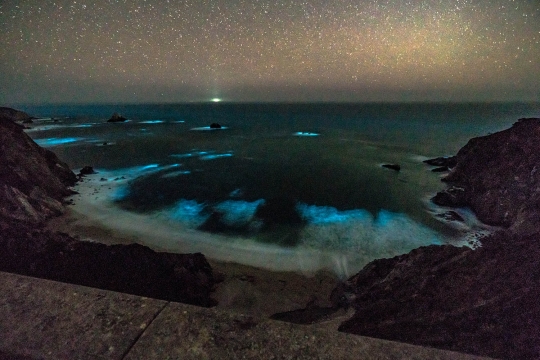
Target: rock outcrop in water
<point>117,118</point>
<point>33,183</point>
<point>482,301</point>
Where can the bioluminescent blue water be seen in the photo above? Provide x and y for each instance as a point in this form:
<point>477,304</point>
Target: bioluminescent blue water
<point>292,175</point>
<point>56,141</point>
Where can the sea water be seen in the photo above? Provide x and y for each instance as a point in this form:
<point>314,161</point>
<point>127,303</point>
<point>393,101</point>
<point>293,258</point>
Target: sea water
<point>295,177</point>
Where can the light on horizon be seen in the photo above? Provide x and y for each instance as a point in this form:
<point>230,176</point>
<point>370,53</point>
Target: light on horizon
<point>216,100</point>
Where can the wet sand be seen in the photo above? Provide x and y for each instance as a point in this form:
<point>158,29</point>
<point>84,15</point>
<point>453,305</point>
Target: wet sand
<point>258,291</point>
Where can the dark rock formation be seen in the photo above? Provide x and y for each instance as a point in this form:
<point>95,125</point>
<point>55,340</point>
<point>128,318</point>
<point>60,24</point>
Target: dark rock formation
<point>117,118</point>
<point>441,169</point>
<point>453,196</point>
<point>133,269</point>
<point>482,301</point>
<point>448,162</point>
<point>451,216</point>
<point>215,126</point>
<point>33,183</point>
<point>87,170</point>
<point>15,115</point>
<point>395,167</point>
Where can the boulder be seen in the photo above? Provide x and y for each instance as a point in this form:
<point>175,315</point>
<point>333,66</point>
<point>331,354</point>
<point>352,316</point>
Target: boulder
<point>451,216</point>
<point>215,126</point>
<point>117,118</point>
<point>395,167</point>
<point>87,170</point>
<point>453,197</point>
<point>448,162</point>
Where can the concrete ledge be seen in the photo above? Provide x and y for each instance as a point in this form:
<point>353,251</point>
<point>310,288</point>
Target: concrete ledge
<point>42,319</point>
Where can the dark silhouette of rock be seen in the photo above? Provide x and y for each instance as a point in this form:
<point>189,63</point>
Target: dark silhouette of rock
<point>395,167</point>
<point>499,174</point>
<point>453,196</point>
<point>451,216</point>
<point>117,118</point>
<point>482,301</point>
<point>15,115</point>
<point>33,181</point>
<point>215,126</point>
<point>133,269</point>
<point>448,162</point>
<point>87,170</point>
<point>441,169</point>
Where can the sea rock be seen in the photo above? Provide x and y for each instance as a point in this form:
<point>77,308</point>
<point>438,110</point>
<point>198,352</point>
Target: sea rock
<point>451,216</point>
<point>395,167</point>
<point>453,196</point>
<point>441,169</point>
<point>87,170</point>
<point>215,126</point>
<point>117,118</point>
<point>448,162</point>
<point>482,301</point>
<point>33,181</point>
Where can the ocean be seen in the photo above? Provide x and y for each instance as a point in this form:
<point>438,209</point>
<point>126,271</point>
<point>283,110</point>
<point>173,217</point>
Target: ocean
<point>302,182</point>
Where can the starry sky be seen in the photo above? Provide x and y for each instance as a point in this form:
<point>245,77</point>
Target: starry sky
<point>137,51</point>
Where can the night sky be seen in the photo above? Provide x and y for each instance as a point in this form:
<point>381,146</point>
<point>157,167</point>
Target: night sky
<point>271,50</point>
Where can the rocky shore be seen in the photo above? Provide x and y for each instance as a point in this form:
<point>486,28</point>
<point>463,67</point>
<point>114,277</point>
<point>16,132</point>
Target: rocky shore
<point>33,184</point>
<point>482,301</point>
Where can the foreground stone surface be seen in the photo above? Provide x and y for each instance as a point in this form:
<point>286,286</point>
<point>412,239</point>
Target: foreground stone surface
<point>483,301</point>
<point>52,320</point>
<point>41,319</point>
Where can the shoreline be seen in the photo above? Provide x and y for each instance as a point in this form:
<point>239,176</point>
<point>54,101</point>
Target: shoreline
<point>258,291</point>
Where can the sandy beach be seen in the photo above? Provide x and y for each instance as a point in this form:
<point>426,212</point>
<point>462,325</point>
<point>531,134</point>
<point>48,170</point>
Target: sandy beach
<point>268,279</point>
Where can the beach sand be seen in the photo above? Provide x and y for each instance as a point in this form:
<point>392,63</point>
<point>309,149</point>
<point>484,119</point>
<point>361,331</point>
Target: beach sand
<point>257,280</point>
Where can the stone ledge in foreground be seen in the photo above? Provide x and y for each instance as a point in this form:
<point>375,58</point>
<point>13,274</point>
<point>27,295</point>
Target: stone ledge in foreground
<point>43,319</point>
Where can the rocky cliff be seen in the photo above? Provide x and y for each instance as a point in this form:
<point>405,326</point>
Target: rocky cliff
<point>482,301</point>
<point>33,183</point>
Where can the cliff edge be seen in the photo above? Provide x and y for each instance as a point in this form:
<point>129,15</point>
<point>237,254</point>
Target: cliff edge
<point>482,301</point>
